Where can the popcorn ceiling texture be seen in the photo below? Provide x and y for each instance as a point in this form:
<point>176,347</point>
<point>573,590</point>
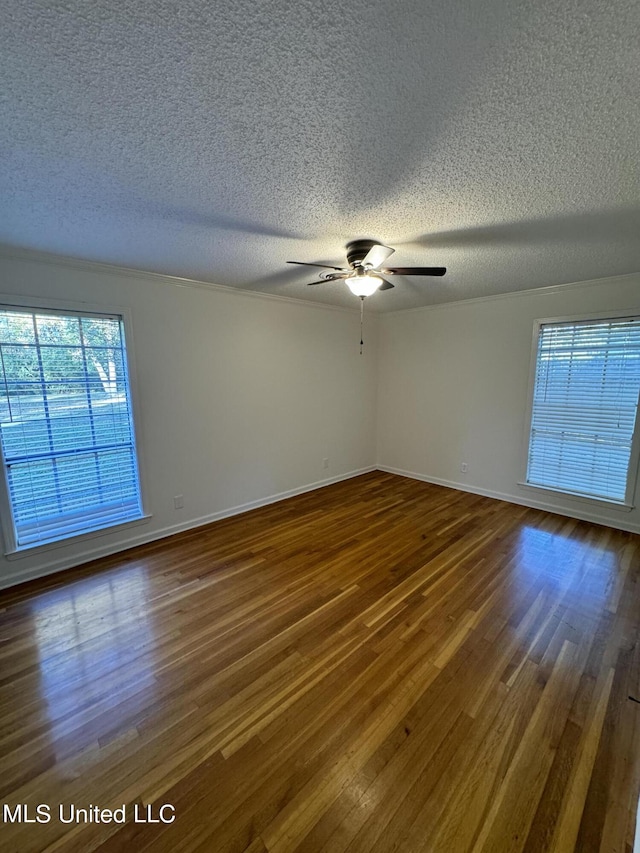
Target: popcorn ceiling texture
<point>219,140</point>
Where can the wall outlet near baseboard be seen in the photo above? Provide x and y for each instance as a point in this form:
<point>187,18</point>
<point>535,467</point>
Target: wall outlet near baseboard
<point>464,467</point>
<point>325,462</point>
<point>178,502</point>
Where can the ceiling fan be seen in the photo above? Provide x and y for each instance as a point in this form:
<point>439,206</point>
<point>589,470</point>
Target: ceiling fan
<point>365,274</point>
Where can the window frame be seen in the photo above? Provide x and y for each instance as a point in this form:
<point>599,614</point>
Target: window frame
<point>11,550</point>
<point>630,498</point>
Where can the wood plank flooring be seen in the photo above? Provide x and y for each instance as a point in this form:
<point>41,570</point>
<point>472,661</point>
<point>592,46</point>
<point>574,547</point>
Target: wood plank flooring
<point>381,665</point>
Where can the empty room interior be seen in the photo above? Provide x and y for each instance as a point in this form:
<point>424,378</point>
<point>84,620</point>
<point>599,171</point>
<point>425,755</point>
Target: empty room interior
<point>319,382</point>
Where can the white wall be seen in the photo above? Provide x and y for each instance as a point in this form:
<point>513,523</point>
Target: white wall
<point>453,388</point>
<point>241,396</point>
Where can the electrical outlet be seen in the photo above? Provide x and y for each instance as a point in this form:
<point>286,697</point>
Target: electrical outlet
<point>325,462</point>
<point>178,502</point>
<point>464,467</point>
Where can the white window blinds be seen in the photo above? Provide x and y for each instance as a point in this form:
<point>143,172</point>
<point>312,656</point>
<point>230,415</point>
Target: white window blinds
<point>66,424</point>
<point>585,403</point>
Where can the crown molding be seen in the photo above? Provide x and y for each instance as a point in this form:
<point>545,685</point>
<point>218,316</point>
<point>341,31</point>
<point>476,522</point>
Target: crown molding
<point>531,291</point>
<point>34,256</point>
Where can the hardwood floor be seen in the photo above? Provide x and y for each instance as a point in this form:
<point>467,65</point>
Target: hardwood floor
<point>380,665</point>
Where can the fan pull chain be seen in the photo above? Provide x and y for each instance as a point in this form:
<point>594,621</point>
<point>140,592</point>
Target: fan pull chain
<point>361,313</point>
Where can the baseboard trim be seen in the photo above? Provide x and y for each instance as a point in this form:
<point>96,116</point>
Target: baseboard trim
<point>62,563</point>
<point>580,514</point>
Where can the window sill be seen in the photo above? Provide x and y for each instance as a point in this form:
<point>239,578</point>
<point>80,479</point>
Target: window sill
<point>599,502</point>
<point>25,551</point>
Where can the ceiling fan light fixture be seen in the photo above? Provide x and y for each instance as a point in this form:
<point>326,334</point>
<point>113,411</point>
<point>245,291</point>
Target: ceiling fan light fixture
<point>363,285</point>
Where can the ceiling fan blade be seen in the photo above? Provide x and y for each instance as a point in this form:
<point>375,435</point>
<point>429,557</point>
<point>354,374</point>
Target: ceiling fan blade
<point>329,278</point>
<point>325,266</point>
<point>416,271</point>
<point>377,255</point>
<point>386,284</point>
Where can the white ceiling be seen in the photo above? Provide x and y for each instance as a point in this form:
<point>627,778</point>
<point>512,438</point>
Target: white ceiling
<point>217,140</point>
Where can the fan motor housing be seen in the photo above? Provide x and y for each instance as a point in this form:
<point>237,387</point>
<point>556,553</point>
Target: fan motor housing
<point>357,250</point>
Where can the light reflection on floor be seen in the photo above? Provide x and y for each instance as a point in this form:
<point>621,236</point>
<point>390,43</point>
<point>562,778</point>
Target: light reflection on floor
<point>560,556</point>
<point>86,634</point>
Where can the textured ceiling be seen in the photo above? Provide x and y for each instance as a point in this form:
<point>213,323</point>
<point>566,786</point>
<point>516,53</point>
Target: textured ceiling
<point>498,138</point>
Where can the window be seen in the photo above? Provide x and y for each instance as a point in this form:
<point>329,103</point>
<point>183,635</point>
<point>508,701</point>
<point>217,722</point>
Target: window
<point>66,425</point>
<point>585,403</point>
